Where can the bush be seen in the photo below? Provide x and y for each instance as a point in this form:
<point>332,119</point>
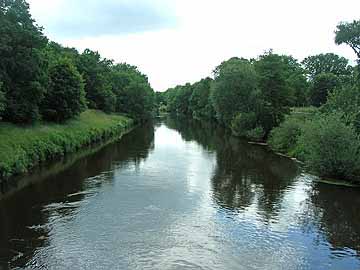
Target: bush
<point>284,138</point>
<point>242,123</point>
<point>347,101</point>
<point>256,134</point>
<point>330,147</point>
<point>65,98</point>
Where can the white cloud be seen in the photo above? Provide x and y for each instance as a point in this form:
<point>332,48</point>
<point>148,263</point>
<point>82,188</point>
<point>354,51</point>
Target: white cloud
<point>208,32</point>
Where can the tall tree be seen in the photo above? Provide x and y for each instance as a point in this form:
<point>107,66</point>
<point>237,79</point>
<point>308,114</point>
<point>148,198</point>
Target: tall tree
<point>235,89</point>
<point>326,63</point>
<point>200,103</point>
<point>134,95</point>
<point>97,76</point>
<point>296,78</point>
<point>65,97</point>
<point>22,65</point>
<point>276,91</point>
<point>349,33</point>
<point>322,85</point>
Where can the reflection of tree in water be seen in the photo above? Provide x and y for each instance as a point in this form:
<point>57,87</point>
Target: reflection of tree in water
<point>192,130</point>
<point>245,174</point>
<point>337,214</point>
<point>20,212</point>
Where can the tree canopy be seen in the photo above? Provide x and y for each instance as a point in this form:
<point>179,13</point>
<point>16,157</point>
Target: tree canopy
<point>349,33</point>
<point>66,96</point>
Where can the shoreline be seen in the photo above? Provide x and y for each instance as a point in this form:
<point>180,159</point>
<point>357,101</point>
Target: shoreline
<point>25,149</point>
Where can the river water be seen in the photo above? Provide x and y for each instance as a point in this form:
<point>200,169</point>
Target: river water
<point>179,195</point>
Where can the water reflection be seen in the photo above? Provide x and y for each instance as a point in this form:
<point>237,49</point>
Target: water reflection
<point>336,212</point>
<point>245,174</point>
<point>26,216</point>
<point>251,180</point>
<point>179,195</point>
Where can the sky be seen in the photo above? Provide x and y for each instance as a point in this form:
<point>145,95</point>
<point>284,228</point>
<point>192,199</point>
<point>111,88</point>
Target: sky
<point>178,41</point>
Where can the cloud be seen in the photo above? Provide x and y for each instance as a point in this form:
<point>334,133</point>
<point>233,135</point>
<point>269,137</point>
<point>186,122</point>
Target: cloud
<point>90,18</point>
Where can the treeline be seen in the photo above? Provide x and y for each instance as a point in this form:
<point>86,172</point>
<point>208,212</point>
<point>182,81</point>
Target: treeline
<point>257,99</point>
<point>40,79</point>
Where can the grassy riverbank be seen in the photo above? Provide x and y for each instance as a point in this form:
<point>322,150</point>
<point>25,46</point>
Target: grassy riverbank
<point>22,148</point>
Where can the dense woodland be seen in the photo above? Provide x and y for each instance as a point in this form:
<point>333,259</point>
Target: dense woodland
<point>308,109</point>
<point>40,79</point>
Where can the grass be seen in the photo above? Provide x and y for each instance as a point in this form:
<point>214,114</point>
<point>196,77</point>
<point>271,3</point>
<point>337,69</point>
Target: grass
<point>22,148</point>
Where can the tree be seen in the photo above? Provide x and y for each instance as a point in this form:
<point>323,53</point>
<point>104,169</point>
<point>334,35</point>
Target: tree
<point>22,65</point>
<point>326,63</point>
<point>182,99</point>
<point>349,33</point>
<point>54,51</point>
<point>276,92</point>
<point>200,103</point>
<point>65,98</point>
<point>322,85</point>
<point>345,100</point>
<point>134,95</point>
<point>296,78</point>
<point>97,76</point>
<point>235,89</point>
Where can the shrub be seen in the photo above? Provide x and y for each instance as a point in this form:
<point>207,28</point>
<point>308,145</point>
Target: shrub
<point>242,123</point>
<point>284,138</point>
<point>330,147</point>
<point>347,101</point>
<point>256,134</point>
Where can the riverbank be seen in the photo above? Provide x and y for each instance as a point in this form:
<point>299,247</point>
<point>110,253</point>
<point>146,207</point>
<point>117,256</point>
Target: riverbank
<point>323,143</point>
<point>22,148</point>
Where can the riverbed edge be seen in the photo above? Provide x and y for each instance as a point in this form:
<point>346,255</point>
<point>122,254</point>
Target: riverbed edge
<point>25,148</point>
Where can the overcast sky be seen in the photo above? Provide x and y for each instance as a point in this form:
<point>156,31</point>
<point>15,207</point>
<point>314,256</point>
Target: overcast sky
<point>179,41</point>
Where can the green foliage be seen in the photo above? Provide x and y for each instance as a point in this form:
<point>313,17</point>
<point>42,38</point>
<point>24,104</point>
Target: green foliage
<point>256,134</point>
<point>284,137</point>
<point>199,102</point>
<point>54,51</point>
<point>326,63</point>
<point>349,33</point>
<point>22,148</point>
<point>2,101</point>
<point>65,97</point>
<point>295,76</point>
<point>22,65</point>
<point>134,95</point>
<point>322,85</point>
<point>276,91</point>
<point>234,89</point>
<point>182,99</point>
<point>96,73</point>
<point>330,147</point>
<point>345,100</point>
<point>242,123</point>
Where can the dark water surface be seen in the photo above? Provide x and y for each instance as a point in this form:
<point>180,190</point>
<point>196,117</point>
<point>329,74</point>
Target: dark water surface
<point>180,195</point>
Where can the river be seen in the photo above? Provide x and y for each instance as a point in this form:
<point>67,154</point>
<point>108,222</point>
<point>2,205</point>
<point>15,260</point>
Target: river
<point>179,195</point>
